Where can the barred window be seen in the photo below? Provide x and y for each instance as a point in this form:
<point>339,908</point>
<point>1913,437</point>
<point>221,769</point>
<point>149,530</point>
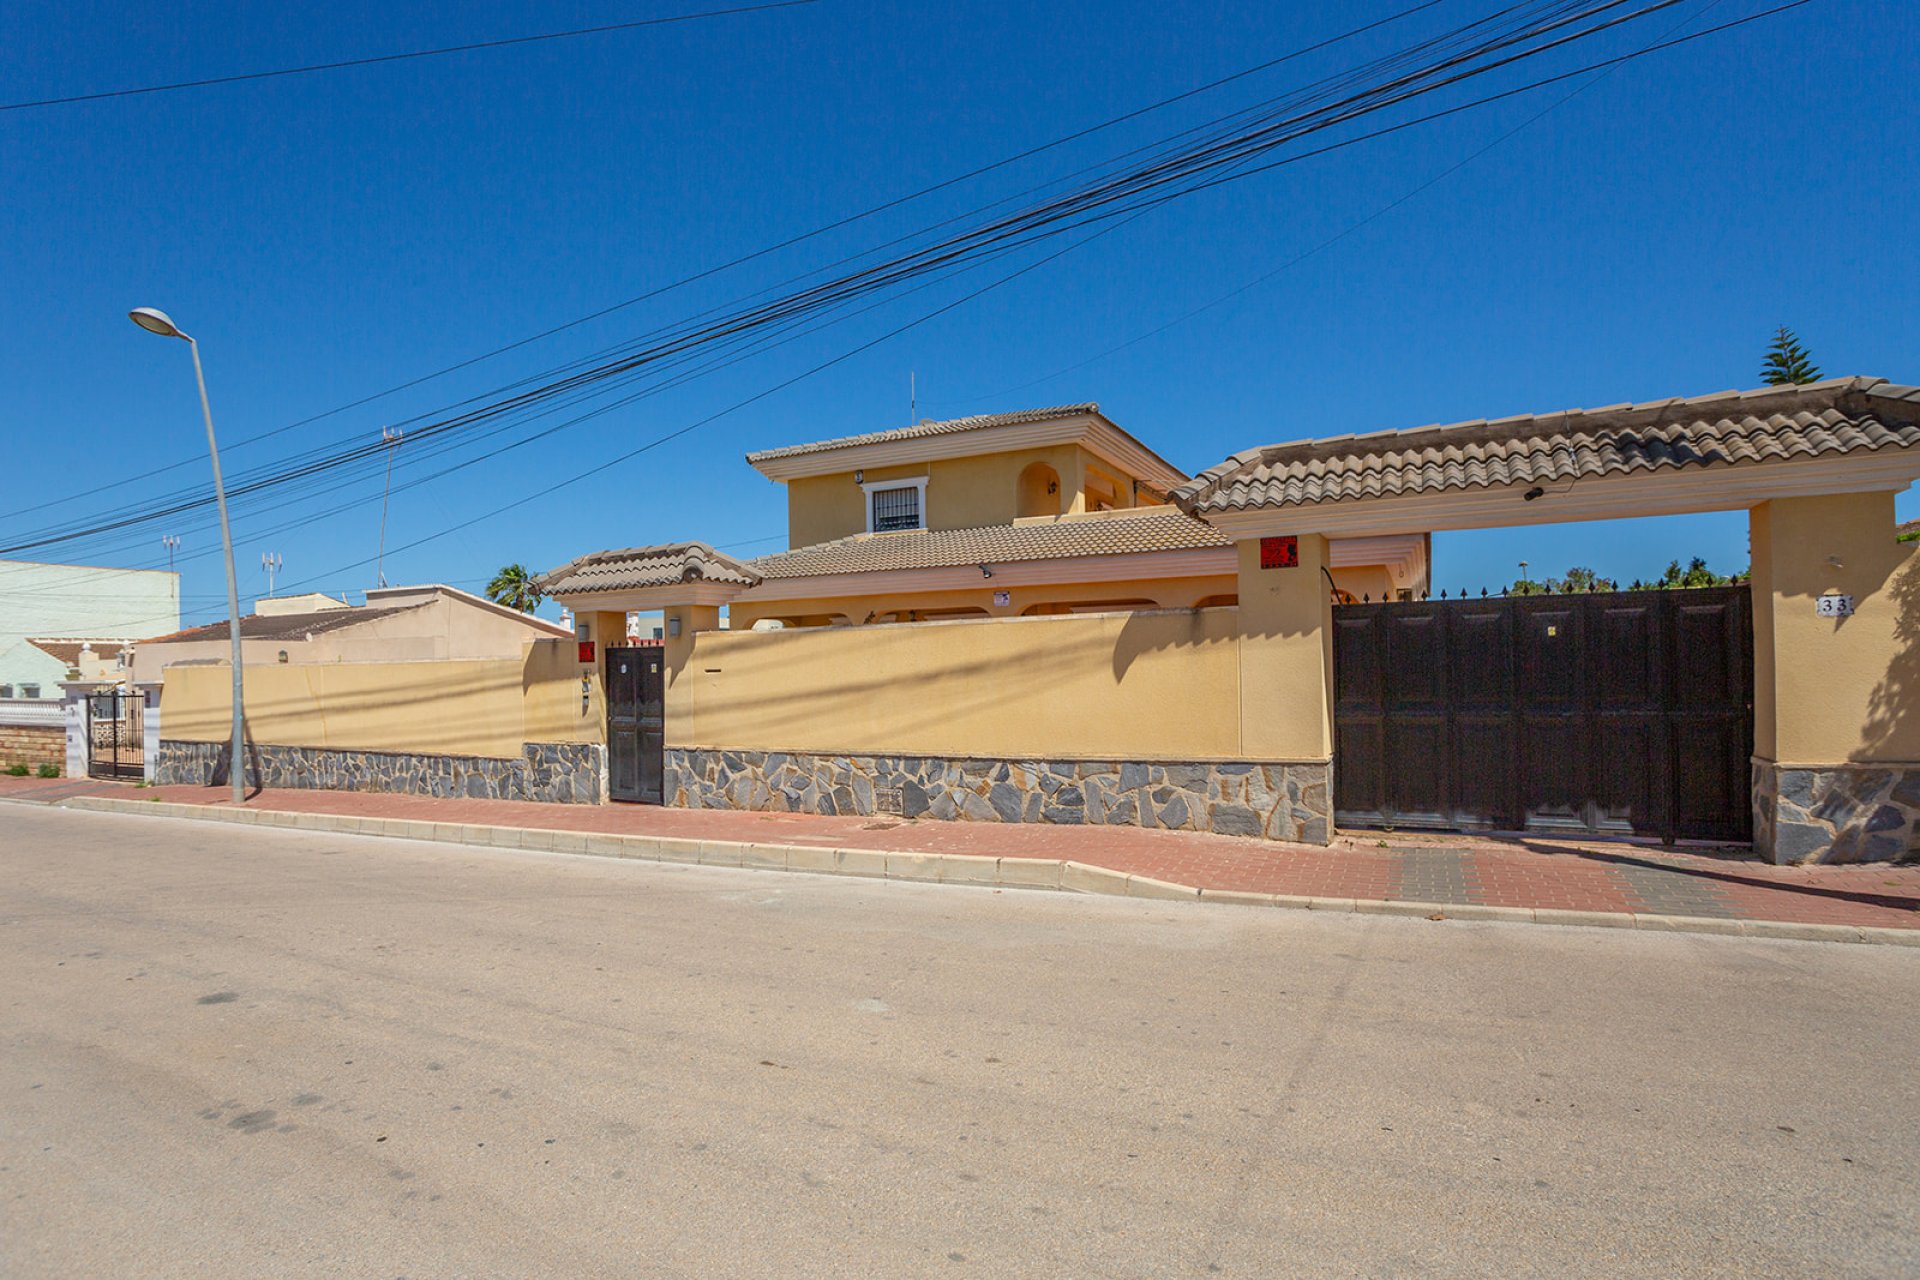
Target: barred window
<point>896,509</point>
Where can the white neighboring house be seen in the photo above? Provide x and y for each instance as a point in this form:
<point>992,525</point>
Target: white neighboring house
<point>58,619</point>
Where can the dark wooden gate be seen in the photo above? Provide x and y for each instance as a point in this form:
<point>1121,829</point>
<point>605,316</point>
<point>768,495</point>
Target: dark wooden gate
<point>1624,713</point>
<point>636,723</point>
<point>116,735</point>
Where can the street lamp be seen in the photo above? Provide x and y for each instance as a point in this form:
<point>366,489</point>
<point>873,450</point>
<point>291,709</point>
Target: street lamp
<point>159,322</point>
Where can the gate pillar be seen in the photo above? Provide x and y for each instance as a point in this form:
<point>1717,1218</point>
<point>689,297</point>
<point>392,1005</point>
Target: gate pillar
<point>1836,638</point>
<point>681,624</point>
<point>1286,665</point>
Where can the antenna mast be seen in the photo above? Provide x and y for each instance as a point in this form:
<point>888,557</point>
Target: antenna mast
<point>392,436</point>
<point>271,562</point>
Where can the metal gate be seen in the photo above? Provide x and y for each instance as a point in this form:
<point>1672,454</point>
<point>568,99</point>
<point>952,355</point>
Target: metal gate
<point>636,723</point>
<point>1627,713</point>
<point>116,735</point>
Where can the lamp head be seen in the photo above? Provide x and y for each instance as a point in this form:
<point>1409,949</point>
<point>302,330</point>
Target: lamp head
<point>154,321</point>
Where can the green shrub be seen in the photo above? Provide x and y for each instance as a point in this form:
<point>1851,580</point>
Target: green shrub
<point>18,770</point>
<point>49,770</point>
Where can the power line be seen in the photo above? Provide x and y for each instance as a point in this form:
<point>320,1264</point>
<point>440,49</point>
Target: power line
<point>1172,176</point>
<point>742,260</point>
<point>404,57</point>
<point>1604,69</point>
<point>1102,202</point>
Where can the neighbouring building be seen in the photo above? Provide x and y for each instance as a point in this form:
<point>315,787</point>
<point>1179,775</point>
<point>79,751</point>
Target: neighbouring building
<point>424,689</point>
<point>396,624</point>
<point>61,622</point>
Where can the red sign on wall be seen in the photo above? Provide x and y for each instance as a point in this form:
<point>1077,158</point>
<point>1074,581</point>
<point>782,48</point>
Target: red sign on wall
<point>586,651</point>
<point>1279,553</point>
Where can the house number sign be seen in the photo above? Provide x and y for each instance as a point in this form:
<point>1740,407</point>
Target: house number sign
<point>1834,605</point>
<point>1279,553</point>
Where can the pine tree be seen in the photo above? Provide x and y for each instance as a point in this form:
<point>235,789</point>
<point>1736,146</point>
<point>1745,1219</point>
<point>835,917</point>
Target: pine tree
<point>1787,362</point>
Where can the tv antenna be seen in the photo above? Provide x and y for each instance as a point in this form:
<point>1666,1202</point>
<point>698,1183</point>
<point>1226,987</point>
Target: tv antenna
<point>392,436</point>
<point>170,542</point>
<point>271,561</point>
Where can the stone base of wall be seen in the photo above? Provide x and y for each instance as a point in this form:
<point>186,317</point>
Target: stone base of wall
<point>33,745</point>
<point>1275,801</point>
<point>555,772</point>
<point>1845,813</point>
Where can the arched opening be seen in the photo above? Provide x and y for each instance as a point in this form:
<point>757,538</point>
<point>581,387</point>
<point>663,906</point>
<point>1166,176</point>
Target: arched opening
<point>1039,491</point>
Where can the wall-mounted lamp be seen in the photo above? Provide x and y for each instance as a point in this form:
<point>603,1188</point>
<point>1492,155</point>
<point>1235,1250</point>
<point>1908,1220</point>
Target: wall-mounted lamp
<point>985,572</point>
<point>283,655</point>
<point>859,477</point>
<point>1532,493</point>
<point>1053,486</point>
<point>673,625</point>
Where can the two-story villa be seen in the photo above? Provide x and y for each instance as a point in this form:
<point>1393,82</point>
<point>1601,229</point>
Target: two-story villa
<point>1041,511</point>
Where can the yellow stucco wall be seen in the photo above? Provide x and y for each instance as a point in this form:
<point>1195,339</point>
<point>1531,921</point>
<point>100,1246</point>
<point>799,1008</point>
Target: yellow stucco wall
<point>1834,690</point>
<point>962,493</point>
<point>1165,593</point>
<point>1128,686</point>
<point>486,707</point>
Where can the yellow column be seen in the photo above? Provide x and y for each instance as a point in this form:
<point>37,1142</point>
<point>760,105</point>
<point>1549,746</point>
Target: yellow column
<point>682,667</point>
<point>1836,698</point>
<point>1286,675</point>
<point>1286,656</point>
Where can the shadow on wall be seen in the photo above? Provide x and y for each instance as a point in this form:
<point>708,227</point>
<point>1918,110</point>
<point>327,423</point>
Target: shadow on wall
<point>1011,679</point>
<point>1893,711</point>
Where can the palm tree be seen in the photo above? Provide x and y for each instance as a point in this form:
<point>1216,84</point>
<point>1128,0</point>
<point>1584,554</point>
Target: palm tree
<point>1788,363</point>
<point>514,587</point>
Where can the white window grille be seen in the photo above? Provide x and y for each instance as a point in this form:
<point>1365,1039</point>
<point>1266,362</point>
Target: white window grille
<point>896,506</point>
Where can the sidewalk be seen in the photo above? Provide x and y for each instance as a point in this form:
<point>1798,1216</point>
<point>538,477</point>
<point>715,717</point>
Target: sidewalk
<point>1542,878</point>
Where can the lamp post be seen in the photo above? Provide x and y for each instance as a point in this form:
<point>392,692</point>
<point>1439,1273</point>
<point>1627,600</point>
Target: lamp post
<point>158,322</point>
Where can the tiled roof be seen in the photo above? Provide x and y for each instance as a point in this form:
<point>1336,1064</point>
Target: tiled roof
<point>929,427</point>
<point>284,626</point>
<point>637,567</point>
<point>1841,415</point>
<point>995,544</point>
<point>67,651</point>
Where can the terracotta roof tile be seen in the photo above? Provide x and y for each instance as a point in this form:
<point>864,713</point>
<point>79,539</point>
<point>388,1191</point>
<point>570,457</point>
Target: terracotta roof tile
<point>1162,530</point>
<point>1726,428</point>
<point>284,626</point>
<point>67,651</point>
<point>929,427</point>
<point>637,567</point>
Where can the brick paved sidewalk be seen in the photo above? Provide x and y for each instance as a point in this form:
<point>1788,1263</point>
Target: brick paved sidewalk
<point>1537,872</point>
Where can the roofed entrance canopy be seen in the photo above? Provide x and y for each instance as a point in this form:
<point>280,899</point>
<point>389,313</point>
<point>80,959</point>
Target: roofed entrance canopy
<point>1726,451</point>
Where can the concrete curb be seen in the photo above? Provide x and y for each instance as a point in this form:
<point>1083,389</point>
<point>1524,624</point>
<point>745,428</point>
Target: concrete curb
<point>965,869</point>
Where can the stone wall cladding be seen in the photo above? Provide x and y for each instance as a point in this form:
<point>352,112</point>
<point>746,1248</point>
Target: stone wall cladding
<point>555,772</point>
<point>1274,801</point>
<point>1850,813</point>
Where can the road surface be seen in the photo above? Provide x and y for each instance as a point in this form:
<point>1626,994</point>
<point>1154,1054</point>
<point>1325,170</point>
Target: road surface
<point>268,1053</point>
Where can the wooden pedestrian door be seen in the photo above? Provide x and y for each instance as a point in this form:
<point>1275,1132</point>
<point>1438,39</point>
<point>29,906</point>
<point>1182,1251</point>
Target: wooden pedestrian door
<point>116,735</point>
<point>1627,713</point>
<point>636,724</point>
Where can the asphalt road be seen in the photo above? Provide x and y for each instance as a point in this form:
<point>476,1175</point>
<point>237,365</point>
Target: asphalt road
<point>230,1052</point>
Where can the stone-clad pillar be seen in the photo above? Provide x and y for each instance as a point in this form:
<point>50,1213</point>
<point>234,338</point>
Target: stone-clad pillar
<point>1836,768</point>
<point>1286,665</point>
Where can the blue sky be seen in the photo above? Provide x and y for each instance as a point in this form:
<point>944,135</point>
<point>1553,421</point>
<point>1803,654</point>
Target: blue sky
<point>328,237</point>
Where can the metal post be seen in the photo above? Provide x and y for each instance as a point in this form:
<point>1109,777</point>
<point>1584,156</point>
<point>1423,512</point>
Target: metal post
<point>237,769</point>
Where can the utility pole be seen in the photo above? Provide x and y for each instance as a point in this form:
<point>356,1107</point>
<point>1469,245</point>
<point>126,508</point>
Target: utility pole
<point>271,562</point>
<point>392,436</point>
<point>169,541</point>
